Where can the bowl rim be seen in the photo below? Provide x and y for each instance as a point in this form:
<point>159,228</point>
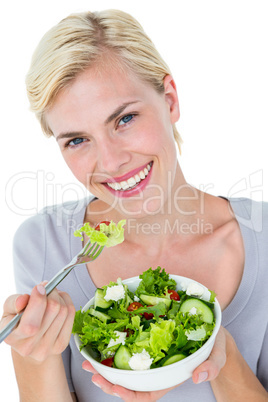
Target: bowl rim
<point>211,339</point>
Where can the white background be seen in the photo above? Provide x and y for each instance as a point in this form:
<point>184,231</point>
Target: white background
<point>217,51</point>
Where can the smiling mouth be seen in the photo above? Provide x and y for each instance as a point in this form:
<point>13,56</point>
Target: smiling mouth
<point>132,182</point>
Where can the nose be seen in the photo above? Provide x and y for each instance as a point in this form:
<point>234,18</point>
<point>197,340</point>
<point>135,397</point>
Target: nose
<point>112,156</point>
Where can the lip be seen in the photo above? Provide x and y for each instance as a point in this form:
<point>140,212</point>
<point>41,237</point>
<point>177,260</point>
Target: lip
<point>134,191</point>
<point>127,175</point>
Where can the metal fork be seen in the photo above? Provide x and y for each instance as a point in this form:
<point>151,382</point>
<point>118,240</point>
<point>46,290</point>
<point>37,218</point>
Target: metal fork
<point>89,253</point>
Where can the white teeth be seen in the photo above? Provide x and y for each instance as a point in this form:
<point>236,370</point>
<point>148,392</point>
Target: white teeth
<point>142,175</point>
<point>124,185</point>
<point>112,185</point>
<point>117,186</point>
<point>132,181</point>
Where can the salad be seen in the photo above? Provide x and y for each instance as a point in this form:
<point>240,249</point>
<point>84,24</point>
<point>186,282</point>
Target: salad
<point>106,233</point>
<point>156,326</point>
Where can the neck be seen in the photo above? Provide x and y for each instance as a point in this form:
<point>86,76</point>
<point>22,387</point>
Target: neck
<point>181,215</point>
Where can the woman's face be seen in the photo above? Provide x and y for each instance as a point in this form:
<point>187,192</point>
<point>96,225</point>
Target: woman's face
<point>115,134</point>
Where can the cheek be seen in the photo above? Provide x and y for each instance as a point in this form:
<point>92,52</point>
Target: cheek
<point>80,167</point>
<point>158,137</point>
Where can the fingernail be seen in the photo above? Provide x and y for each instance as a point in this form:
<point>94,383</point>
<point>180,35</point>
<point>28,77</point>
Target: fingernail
<point>117,395</point>
<point>97,385</point>
<point>202,377</point>
<point>41,289</point>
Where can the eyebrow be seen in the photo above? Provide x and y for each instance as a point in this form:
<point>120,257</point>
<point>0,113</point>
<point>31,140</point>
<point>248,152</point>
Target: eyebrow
<point>113,116</point>
<point>118,111</point>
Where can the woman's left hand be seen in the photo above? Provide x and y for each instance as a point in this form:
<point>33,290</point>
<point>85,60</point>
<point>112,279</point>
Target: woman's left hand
<point>207,371</point>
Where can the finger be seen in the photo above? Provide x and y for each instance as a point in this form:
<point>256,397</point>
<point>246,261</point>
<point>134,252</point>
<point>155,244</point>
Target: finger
<point>130,396</point>
<point>59,333</point>
<point>58,303</point>
<point>64,336</point>
<point>14,304</point>
<point>209,370</point>
<point>32,317</point>
<point>54,304</point>
<point>105,385</point>
<point>54,332</point>
<point>46,343</point>
<point>88,367</point>
<point>21,302</point>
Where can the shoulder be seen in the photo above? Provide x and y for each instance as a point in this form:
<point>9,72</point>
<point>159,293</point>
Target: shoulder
<point>251,214</point>
<point>252,217</point>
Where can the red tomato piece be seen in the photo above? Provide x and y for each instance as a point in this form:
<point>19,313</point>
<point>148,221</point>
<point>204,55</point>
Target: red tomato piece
<point>97,227</point>
<point>148,316</point>
<point>128,331</point>
<point>134,306</point>
<point>108,362</point>
<point>173,295</point>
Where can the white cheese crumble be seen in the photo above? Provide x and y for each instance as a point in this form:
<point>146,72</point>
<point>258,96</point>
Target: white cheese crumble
<point>120,338</point>
<point>193,311</point>
<point>183,286</point>
<point>136,298</point>
<point>140,361</point>
<point>115,293</point>
<point>193,289</point>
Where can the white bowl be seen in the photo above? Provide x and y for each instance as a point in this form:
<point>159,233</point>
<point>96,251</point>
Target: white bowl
<point>162,377</point>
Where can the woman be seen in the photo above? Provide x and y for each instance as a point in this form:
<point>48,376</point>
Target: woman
<point>98,85</point>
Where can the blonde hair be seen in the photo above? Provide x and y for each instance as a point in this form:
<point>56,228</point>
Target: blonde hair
<point>77,42</point>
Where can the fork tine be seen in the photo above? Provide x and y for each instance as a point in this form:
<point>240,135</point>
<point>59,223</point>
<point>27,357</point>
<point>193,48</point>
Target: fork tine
<point>93,250</point>
<point>96,252</point>
<point>87,249</point>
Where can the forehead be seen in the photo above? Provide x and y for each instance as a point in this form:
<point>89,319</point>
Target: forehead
<point>94,94</point>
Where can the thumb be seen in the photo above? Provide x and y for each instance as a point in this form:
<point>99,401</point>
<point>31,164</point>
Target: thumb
<point>10,306</point>
<point>209,370</point>
<point>21,302</point>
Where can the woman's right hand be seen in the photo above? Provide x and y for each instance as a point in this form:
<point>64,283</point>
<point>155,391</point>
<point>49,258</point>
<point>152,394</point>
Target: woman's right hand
<point>45,326</point>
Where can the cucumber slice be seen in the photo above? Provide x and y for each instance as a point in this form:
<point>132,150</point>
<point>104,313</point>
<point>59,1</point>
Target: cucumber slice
<point>174,359</point>
<point>98,314</point>
<point>100,304</point>
<point>205,312</point>
<point>122,357</point>
<point>153,300</point>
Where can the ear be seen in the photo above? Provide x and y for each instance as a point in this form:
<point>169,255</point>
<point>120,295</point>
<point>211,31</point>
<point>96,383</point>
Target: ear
<point>171,98</point>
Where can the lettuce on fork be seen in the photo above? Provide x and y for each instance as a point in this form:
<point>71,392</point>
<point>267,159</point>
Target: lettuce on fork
<point>106,235</point>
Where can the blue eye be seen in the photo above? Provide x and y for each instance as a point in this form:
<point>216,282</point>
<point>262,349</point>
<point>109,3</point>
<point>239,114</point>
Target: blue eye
<point>126,119</point>
<point>76,141</point>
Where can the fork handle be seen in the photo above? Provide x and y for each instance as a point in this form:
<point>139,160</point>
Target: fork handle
<point>49,287</point>
<point>58,278</point>
<point>10,326</point>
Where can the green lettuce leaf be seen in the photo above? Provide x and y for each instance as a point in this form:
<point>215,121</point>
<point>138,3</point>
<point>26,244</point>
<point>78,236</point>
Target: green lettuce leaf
<point>180,337</point>
<point>92,331</point>
<point>212,296</point>
<point>155,282</point>
<point>161,337</point>
<point>157,310</point>
<point>108,235</point>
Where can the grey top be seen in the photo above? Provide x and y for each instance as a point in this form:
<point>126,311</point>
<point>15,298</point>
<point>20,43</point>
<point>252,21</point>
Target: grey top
<point>39,257</point>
